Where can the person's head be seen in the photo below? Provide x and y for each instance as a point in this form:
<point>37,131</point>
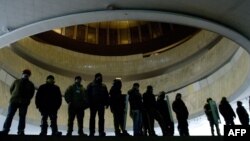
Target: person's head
<point>50,79</point>
<point>98,77</point>
<point>161,95</point>
<point>149,88</point>
<point>224,98</point>
<point>78,79</point>
<point>239,103</point>
<point>178,96</point>
<point>136,86</point>
<point>209,99</point>
<point>26,73</point>
<point>117,83</point>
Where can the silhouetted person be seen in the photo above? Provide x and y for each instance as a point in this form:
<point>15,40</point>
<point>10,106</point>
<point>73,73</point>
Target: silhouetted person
<point>152,113</point>
<point>149,105</point>
<point>182,114</point>
<point>135,101</point>
<point>98,99</point>
<point>22,91</point>
<point>117,107</point>
<point>227,111</point>
<point>48,101</point>
<point>242,114</point>
<point>212,114</point>
<point>164,110</point>
<point>76,97</point>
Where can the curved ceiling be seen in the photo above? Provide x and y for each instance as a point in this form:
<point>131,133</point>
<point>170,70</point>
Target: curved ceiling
<point>230,18</point>
<point>20,19</point>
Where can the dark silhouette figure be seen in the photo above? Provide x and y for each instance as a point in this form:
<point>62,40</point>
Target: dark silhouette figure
<point>212,114</point>
<point>182,114</point>
<point>227,111</point>
<point>164,109</point>
<point>22,91</point>
<point>117,107</point>
<point>242,114</point>
<point>151,113</point>
<point>135,101</point>
<point>98,99</point>
<point>76,97</point>
<point>48,101</point>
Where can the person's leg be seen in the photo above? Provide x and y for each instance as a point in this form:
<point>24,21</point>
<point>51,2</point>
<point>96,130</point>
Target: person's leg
<point>7,123</point>
<point>212,127</point>
<point>54,127</point>
<point>116,122</point>
<point>101,122</point>
<point>71,117</point>
<point>217,129</point>
<point>79,116</point>
<point>92,121</point>
<point>44,123</point>
<point>22,119</point>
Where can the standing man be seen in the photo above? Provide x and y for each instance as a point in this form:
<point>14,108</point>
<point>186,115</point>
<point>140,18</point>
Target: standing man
<point>212,114</point>
<point>22,90</point>
<point>98,100</point>
<point>135,101</point>
<point>242,114</point>
<point>117,107</point>
<point>48,101</point>
<point>76,97</point>
<point>227,111</point>
<point>163,107</point>
<point>182,114</point>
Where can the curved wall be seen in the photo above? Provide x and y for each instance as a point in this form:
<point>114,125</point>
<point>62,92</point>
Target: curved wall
<point>223,82</point>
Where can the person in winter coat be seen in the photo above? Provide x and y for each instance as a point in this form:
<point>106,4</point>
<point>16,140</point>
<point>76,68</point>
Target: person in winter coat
<point>151,113</point>
<point>98,100</point>
<point>182,114</point>
<point>212,114</point>
<point>135,101</point>
<point>22,91</point>
<point>242,114</point>
<point>164,109</point>
<point>76,97</point>
<point>117,107</point>
<point>227,111</point>
<point>48,101</point>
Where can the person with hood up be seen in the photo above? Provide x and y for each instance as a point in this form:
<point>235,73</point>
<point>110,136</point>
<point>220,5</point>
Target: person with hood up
<point>98,100</point>
<point>182,114</point>
<point>227,111</point>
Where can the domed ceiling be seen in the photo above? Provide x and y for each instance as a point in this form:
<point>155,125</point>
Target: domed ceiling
<point>117,38</point>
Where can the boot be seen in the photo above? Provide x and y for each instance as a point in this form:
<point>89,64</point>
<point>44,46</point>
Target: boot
<point>20,133</point>
<point>4,132</point>
<point>69,134</point>
<point>81,133</point>
<point>57,133</point>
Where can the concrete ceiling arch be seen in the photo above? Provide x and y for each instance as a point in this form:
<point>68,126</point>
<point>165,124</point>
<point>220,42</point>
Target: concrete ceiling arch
<point>147,15</point>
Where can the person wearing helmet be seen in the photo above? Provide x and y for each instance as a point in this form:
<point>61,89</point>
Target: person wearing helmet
<point>22,91</point>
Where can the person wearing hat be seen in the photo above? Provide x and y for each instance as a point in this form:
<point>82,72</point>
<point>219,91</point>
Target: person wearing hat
<point>22,91</point>
<point>76,97</point>
<point>48,101</point>
<point>98,99</point>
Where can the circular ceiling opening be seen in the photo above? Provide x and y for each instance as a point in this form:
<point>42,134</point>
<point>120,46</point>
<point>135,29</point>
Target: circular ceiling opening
<point>118,38</point>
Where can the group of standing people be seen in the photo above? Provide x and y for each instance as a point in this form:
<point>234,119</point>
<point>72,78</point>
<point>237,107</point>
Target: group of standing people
<point>144,110</point>
<point>227,112</point>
